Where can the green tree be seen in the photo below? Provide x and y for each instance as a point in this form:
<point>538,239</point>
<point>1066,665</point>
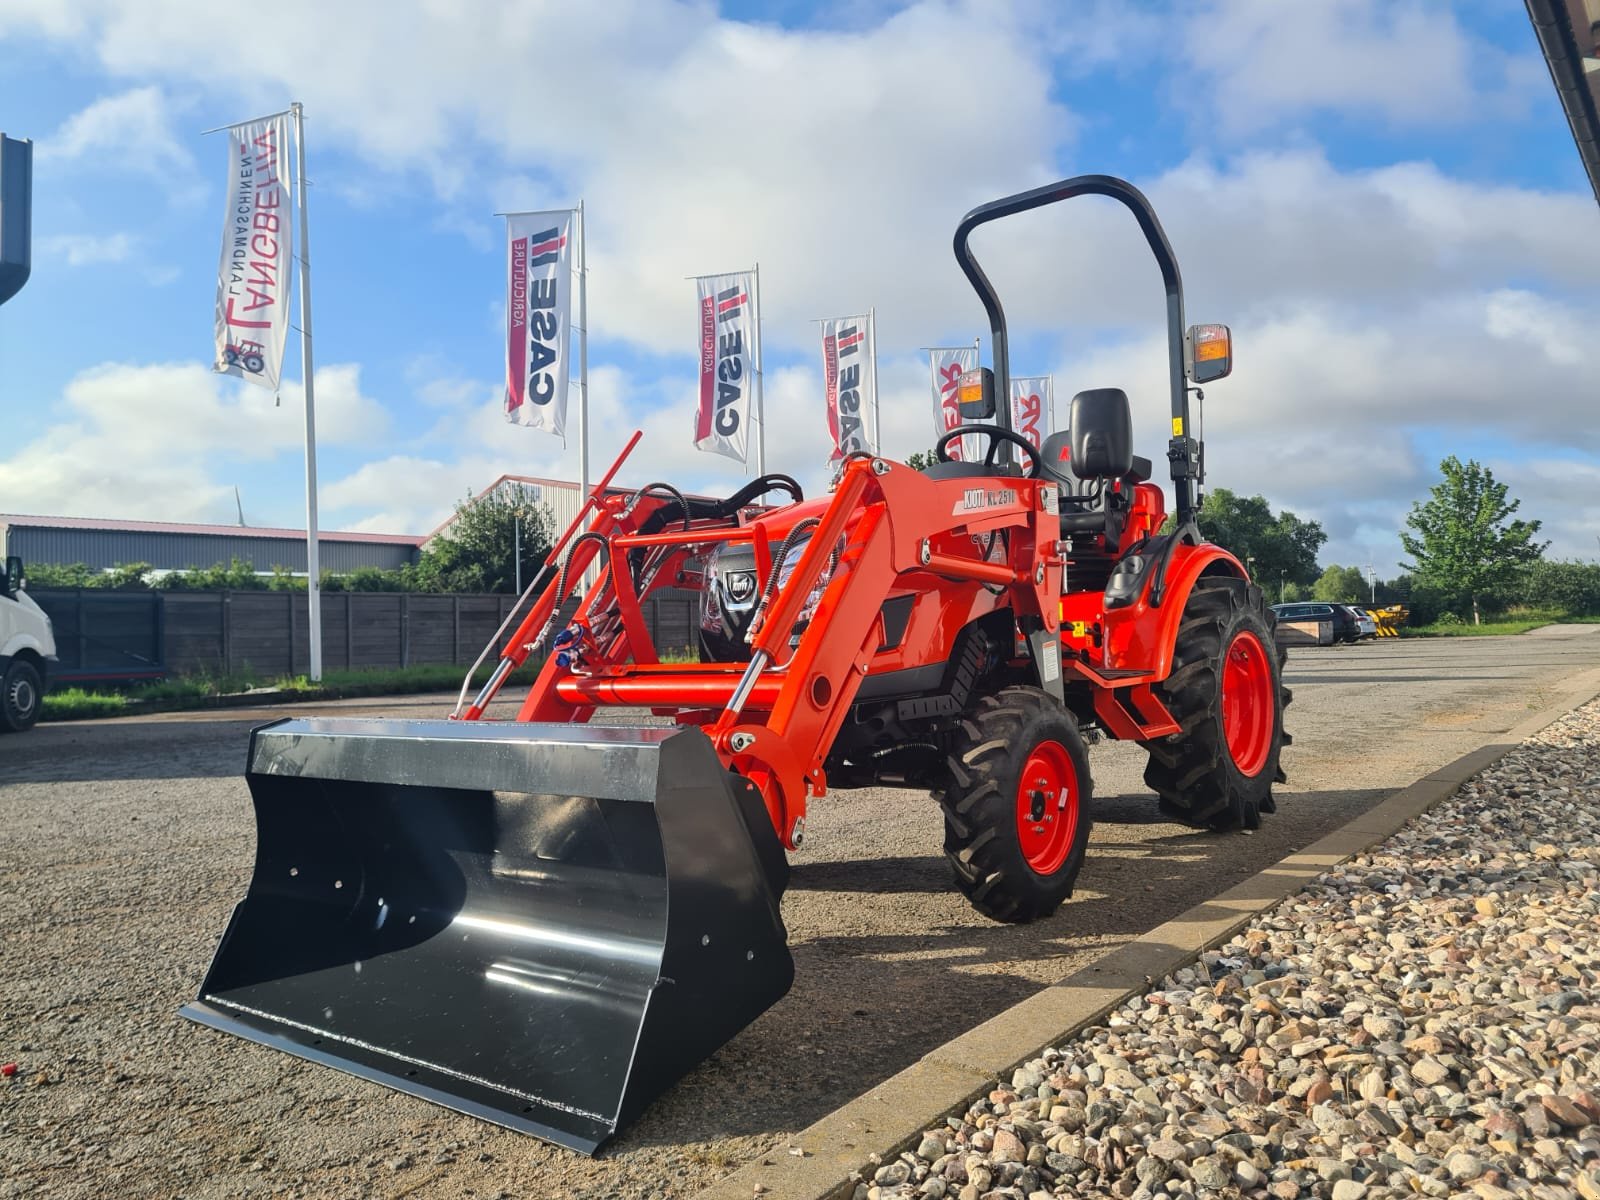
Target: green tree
<point>921,460</point>
<point>1341,585</point>
<point>477,551</point>
<point>237,576</point>
<point>1462,538</point>
<point>1283,547</point>
<point>60,575</point>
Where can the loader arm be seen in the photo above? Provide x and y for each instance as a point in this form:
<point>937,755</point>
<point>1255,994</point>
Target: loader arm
<point>773,720</point>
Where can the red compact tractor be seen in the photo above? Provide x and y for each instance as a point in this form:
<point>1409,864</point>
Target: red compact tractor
<point>548,921</point>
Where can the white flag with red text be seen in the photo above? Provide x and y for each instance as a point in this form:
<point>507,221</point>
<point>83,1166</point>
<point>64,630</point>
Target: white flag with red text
<point>253,281</point>
<point>538,318</point>
<point>849,382</point>
<point>948,364</point>
<point>1031,405</point>
<point>730,360</point>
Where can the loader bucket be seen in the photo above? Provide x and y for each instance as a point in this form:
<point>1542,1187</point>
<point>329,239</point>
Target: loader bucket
<point>541,925</point>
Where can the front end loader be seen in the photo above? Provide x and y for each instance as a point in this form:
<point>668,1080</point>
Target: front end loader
<point>545,922</point>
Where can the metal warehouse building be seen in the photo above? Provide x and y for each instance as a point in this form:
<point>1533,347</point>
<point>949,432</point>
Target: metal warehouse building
<point>101,544</point>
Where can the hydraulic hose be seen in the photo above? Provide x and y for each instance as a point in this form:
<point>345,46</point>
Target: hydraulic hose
<point>789,543</point>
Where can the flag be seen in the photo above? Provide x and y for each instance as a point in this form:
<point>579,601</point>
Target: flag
<point>730,360</point>
<point>947,365</point>
<point>253,279</point>
<point>849,354</point>
<point>538,318</point>
<point>1031,405</point>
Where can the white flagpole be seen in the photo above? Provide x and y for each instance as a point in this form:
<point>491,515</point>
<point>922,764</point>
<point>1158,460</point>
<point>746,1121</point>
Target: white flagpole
<point>583,350</point>
<point>761,408</point>
<point>313,568</point>
<point>877,430</point>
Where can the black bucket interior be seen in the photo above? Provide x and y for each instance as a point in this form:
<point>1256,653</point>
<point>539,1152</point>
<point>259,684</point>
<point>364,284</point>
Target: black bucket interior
<point>550,961</point>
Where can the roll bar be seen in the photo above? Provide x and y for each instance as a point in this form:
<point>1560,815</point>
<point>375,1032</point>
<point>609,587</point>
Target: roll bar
<point>1183,451</point>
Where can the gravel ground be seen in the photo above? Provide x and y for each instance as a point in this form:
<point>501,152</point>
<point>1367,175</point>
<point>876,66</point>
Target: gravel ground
<point>125,844</point>
<point>1424,1020</point>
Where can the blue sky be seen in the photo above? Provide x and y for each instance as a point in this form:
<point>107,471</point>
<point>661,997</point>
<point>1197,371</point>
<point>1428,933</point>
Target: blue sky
<point>1381,198</point>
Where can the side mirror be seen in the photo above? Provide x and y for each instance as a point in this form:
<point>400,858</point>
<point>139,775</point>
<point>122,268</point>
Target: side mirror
<point>12,581</point>
<point>1207,352</point>
<point>975,395</point>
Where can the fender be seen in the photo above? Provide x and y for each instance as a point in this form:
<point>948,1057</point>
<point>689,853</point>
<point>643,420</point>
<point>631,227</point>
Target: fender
<point>1139,637</point>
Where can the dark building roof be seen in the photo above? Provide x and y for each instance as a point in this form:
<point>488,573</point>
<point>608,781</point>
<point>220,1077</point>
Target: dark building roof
<point>1569,36</point>
<point>171,546</point>
<point>28,521</point>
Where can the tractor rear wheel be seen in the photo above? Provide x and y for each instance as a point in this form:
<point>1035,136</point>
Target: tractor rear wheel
<point>1016,809</point>
<point>1226,693</point>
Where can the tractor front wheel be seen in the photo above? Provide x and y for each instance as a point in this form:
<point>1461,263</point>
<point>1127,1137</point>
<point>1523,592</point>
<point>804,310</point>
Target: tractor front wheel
<point>1016,809</point>
<point>1226,693</point>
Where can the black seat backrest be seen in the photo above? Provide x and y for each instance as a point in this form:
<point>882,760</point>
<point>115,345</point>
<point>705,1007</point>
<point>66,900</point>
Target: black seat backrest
<point>1055,459</point>
<point>1101,424</point>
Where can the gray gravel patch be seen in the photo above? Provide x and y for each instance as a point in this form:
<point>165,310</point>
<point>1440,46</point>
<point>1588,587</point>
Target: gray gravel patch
<point>1423,1020</point>
<point>124,845</point>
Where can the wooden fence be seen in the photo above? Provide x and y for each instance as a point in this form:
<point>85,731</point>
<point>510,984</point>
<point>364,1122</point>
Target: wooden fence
<point>103,634</point>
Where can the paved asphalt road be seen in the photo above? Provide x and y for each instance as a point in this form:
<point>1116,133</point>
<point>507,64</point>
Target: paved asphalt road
<point>123,846</point>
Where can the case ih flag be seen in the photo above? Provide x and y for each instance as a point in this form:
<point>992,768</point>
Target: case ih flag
<point>848,379</point>
<point>730,358</point>
<point>538,318</point>
<point>1031,405</point>
<point>948,365</point>
<point>253,280</point>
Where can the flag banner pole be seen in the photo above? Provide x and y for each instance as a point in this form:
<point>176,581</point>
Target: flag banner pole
<point>946,365</point>
<point>539,278</point>
<point>849,385</point>
<point>583,349</point>
<point>729,353</point>
<point>282,112</point>
<point>872,340</point>
<point>761,407</point>
<point>313,564</point>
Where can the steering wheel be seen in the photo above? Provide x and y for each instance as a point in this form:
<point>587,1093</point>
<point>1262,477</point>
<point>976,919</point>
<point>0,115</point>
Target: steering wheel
<point>996,435</point>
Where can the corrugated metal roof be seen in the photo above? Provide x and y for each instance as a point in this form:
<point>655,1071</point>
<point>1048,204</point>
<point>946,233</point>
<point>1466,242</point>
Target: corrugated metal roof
<point>27,521</point>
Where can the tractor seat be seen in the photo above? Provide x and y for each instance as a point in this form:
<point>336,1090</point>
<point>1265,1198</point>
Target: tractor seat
<point>1085,458</point>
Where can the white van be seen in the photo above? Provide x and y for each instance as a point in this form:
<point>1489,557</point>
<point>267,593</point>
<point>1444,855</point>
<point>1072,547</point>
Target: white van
<point>27,651</point>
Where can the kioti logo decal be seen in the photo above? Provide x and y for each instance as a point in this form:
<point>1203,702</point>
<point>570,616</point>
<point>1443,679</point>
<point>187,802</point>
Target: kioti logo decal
<point>977,499</point>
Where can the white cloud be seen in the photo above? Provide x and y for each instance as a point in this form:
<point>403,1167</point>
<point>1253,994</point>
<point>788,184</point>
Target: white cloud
<point>87,249</point>
<point>1329,407</point>
<point>1262,64</point>
<point>132,129</point>
<point>151,441</point>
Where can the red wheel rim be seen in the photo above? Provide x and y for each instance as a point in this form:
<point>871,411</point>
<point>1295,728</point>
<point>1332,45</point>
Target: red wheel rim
<point>1247,708</point>
<point>1047,807</point>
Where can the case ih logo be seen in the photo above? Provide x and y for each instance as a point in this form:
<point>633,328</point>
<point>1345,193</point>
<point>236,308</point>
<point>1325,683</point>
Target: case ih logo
<point>533,311</point>
<point>722,356</point>
<point>844,389</point>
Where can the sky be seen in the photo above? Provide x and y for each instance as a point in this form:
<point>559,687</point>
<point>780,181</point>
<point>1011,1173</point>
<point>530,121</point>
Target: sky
<point>1380,197</point>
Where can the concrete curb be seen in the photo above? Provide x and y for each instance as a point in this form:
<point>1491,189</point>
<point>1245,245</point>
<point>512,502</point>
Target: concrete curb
<point>892,1116</point>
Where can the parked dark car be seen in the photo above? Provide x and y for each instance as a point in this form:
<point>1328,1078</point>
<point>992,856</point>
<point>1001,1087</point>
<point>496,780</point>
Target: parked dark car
<point>1342,622</point>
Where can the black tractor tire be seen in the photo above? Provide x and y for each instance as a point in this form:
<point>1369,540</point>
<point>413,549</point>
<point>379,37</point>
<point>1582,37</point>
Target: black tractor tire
<point>1019,747</point>
<point>21,696</point>
<point>1194,771</point>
